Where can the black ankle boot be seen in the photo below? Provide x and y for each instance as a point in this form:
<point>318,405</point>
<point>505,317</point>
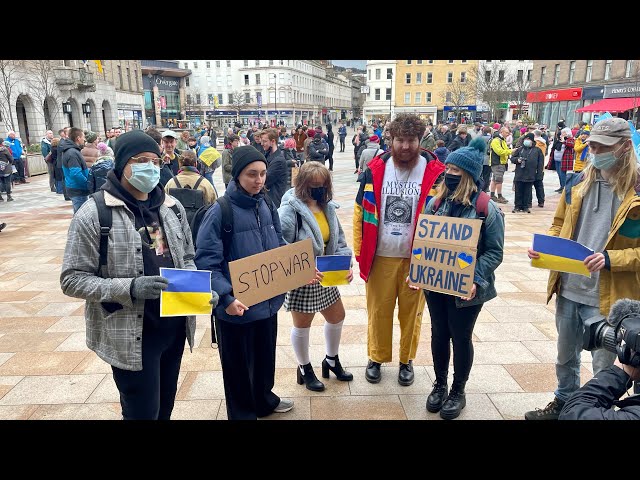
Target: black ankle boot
<point>340,373</point>
<point>455,403</point>
<point>437,396</point>
<point>309,379</point>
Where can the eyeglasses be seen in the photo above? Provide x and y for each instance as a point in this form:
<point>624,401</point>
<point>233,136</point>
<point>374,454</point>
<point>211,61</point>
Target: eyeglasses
<point>154,160</point>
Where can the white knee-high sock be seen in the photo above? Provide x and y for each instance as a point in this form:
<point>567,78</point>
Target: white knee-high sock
<point>300,343</point>
<point>332,334</point>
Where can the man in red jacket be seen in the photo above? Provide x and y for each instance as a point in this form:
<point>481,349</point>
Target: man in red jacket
<point>392,193</point>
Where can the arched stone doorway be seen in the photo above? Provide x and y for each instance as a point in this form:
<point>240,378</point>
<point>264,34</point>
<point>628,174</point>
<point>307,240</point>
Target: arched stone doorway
<point>107,116</point>
<point>25,120</point>
<point>93,122</point>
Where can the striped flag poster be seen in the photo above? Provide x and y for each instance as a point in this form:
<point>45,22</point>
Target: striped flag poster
<point>335,268</point>
<point>188,293</point>
<point>560,254</point>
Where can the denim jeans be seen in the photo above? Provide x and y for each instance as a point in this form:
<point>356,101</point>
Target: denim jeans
<point>562,176</point>
<point>60,186</point>
<point>570,317</point>
<point>78,201</point>
<point>209,176</point>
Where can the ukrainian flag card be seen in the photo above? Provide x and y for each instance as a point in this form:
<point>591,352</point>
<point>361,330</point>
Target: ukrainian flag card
<point>188,293</point>
<point>335,268</point>
<point>560,254</point>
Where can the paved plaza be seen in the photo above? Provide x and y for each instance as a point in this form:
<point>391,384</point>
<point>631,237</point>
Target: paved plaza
<point>47,372</point>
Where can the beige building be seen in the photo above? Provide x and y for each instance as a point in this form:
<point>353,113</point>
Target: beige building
<point>559,88</point>
<point>422,87</point>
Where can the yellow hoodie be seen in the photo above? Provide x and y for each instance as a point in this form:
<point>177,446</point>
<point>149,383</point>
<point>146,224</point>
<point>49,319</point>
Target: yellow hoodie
<point>578,165</point>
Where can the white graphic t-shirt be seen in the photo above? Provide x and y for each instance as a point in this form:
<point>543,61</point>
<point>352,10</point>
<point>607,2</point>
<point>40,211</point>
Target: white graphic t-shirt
<point>400,196</point>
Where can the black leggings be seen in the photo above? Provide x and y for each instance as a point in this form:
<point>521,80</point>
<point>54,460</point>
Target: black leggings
<point>451,323</point>
<point>5,184</point>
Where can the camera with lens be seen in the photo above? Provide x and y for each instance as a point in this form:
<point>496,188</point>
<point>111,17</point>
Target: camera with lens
<point>618,333</point>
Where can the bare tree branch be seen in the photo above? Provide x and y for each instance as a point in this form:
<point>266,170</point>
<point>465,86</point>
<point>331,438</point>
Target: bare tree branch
<point>238,102</point>
<point>494,85</point>
<point>9,77</point>
<point>41,84</point>
<point>458,93</point>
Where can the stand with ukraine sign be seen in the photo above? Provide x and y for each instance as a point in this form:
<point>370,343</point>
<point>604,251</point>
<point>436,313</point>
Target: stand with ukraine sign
<point>443,256</point>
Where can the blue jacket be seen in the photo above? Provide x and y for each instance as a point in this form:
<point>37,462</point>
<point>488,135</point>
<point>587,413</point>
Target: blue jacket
<point>45,147</point>
<point>248,239</point>
<point>98,173</point>
<point>74,168</point>
<point>490,248</point>
<point>16,147</point>
<point>342,131</point>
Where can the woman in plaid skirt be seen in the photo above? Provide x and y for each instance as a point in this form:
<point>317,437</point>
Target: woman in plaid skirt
<point>307,211</point>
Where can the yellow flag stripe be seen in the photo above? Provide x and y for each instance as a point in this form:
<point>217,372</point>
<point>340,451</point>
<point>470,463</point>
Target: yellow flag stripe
<point>181,303</point>
<point>560,264</point>
<point>335,277</point>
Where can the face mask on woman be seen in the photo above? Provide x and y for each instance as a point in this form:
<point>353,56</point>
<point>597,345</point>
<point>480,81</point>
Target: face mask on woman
<point>144,177</point>
<point>452,181</point>
<point>318,193</point>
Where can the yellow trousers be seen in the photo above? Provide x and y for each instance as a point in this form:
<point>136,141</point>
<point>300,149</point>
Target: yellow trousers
<point>386,284</point>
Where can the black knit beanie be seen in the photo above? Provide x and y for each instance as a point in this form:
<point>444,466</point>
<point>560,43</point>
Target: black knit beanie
<point>131,144</point>
<point>243,156</point>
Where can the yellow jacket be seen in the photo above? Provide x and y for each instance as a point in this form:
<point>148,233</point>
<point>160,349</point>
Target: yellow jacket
<point>500,148</point>
<point>578,147</point>
<point>620,278</point>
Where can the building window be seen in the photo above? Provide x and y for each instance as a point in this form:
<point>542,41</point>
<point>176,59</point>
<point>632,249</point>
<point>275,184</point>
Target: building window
<point>186,81</point>
<point>188,99</point>
<point>627,68</point>
<point>418,98</point>
<point>450,61</point>
<point>587,77</point>
<point>195,65</point>
<point>543,72</point>
<point>430,61</point>
<point>246,63</point>
<point>247,97</point>
<point>529,75</point>
<point>388,94</point>
<point>197,99</point>
<point>228,63</point>
<point>210,99</point>
<point>257,79</point>
<point>217,63</point>
<point>208,64</point>
<point>448,97</point>
<point>257,63</point>
<point>270,62</point>
<point>120,76</point>
<point>556,74</point>
<point>418,78</point>
<point>377,97</point>
<point>407,98</point>
<point>419,62</point>
<point>135,74</point>
<point>502,61</point>
<point>449,77</point>
<point>501,75</point>
<point>282,62</point>
<point>407,78</point>
<point>572,71</point>
<point>186,65</point>
<point>129,78</point>
<point>488,61</point>
<point>220,98</point>
<point>246,79</point>
<point>229,81</point>
<point>389,73</point>
<point>607,70</point>
<point>408,62</point>
<point>520,76</point>
<point>429,77</point>
<point>463,77</point>
<point>377,74</point>
<point>487,76</point>
<point>369,72</point>
<point>427,97</point>
<point>463,61</point>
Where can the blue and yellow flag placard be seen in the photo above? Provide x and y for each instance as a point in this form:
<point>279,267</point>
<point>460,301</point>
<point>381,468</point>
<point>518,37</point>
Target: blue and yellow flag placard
<point>335,268</point>
<point>560,254</point>
<point>188,293</point>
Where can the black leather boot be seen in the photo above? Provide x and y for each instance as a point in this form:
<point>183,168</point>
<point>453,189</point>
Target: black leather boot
<point>455,403</point>
<point>437,396</point>
<point>309,379</point>
<point>373,372</point>
<point>405,374</point>
<point>340,373</point>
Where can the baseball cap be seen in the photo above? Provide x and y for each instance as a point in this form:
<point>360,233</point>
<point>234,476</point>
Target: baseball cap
<point>169,133</point>
<point>610,131</point>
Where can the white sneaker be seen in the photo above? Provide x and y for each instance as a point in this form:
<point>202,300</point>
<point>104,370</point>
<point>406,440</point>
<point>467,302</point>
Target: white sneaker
<point>284,406</point>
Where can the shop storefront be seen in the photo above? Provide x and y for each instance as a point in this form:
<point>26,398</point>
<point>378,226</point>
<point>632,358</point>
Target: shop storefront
<point>622,100</point>
<point>130,117</point>
<point>459,114</point>
<point>162,94</point>
<point>549,106</point>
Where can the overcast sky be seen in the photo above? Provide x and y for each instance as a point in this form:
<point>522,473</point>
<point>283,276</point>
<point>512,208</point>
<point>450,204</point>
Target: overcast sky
<point>361,64</point>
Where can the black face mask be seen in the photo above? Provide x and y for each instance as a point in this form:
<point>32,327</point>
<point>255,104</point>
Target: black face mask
<point>452,181</point>
<point>318,193</point>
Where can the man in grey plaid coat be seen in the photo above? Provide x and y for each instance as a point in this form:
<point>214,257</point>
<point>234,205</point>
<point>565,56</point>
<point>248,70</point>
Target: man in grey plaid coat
<point>122,311</point>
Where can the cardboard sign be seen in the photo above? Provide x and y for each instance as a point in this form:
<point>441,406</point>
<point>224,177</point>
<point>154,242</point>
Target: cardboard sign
<point>265,275</point>
<point>443,256</point>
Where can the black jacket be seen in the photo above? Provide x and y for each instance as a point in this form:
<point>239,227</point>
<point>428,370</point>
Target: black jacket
<point>533,163</point>
<point>278,180</point>
<point>596,399</point>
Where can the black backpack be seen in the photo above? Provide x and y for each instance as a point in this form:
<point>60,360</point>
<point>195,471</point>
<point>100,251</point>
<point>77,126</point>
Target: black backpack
<point>191,199</point>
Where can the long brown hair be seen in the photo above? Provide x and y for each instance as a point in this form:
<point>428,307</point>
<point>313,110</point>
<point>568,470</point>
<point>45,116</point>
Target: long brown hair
<point>466,188</point>
<point>309,172</point>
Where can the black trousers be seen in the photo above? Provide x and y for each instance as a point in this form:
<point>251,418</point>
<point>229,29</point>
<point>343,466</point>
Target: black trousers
<point>342,144</point>
<point>486,177</point>
<point>356,158</point>
<point>539,186</point>
<point>19,163</point>
<point>451,323</point>
<point>330,158</point>
<point>150,393</point>
<point>248,358</point>
<point>523,194</point>
<point>5,184</point>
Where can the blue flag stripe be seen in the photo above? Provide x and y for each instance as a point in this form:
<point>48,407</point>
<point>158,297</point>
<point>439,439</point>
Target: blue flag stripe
<point>333,262</point>
<point>187,281</point>
<point>559,247</point>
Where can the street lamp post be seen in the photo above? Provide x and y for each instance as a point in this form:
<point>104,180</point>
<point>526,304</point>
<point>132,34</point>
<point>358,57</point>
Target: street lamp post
<point>275,94</point>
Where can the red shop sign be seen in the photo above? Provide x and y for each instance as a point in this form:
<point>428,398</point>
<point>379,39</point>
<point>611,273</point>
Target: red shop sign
<point>555,95</point>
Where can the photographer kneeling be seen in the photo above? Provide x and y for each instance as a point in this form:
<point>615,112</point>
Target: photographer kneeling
<point>619,333</point>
